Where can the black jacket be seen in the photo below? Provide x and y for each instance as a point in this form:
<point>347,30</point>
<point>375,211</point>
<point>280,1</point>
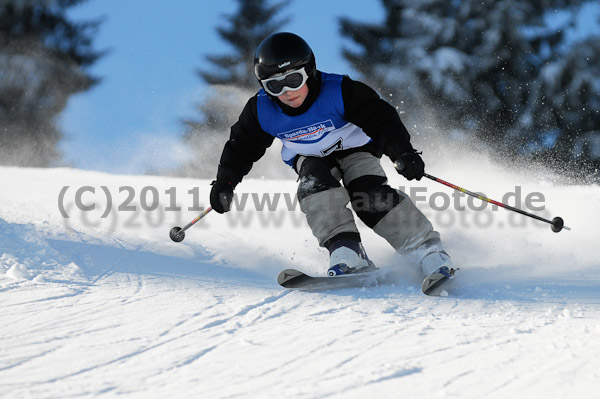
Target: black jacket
<point>363,107</point>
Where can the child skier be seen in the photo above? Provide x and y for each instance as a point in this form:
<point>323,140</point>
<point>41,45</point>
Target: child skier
<point>332,128</point>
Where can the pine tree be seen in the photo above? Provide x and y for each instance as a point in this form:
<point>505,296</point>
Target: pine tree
<point>475,65</point>
<point>232,82</point>
<point>566,107</point>
<point>43,57</point>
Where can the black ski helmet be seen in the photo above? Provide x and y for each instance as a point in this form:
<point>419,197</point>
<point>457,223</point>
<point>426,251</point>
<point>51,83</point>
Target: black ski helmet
<point>280,52</point>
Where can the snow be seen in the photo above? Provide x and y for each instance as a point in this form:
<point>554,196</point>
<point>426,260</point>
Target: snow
<point>110,307</point>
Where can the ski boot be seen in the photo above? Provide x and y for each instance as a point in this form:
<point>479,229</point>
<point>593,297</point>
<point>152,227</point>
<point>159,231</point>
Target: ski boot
<point>437,266</point>
<point>346,257</point>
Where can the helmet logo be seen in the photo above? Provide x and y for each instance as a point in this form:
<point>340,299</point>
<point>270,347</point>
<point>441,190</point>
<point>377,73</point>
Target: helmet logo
<point>284,64</point>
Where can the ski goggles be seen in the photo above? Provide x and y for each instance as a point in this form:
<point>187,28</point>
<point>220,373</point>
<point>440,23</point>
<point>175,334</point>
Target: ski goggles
<point>289,81</point>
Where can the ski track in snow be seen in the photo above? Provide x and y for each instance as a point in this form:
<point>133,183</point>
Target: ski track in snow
<point>90,312</point>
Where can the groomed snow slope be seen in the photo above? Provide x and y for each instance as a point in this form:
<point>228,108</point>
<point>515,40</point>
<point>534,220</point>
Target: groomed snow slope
<point>110,307</point>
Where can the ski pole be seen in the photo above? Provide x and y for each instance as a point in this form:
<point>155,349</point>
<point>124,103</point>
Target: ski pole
<point>556,224</point>
<point>177,234</point>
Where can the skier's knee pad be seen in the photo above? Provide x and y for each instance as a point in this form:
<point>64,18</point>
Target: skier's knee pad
<point>372,199</point>
<point>314,176</point>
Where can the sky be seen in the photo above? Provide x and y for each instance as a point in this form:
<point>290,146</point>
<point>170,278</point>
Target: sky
<point>131,121</point>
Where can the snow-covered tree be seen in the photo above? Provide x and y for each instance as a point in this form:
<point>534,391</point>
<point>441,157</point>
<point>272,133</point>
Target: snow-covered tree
<point>564,111</point>
<point>232,82</point>
<point>475,66</point>
<point>43,57</point>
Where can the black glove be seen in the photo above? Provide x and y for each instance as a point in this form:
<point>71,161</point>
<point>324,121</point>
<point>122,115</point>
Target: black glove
<point>221,196</point>
<point>409,164</point>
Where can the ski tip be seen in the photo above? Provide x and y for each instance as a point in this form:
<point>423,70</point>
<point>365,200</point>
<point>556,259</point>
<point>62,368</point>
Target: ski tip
<point>285,276</point>
<point>432,282</point>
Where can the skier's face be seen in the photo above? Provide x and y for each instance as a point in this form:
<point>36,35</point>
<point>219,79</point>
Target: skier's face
<point>296,98</point>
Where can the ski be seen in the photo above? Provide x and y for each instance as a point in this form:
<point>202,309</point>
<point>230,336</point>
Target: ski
<point>432,283</point>
<point>297,280</point>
